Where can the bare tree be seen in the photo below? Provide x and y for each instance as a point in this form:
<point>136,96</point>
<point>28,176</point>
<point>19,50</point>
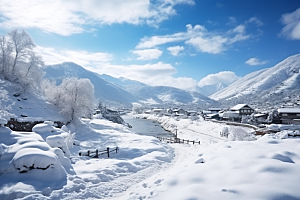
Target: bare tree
<point>6,50</point>
<point>22,45</point>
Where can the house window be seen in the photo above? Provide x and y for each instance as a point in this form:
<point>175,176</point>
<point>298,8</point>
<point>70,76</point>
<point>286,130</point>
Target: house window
<point>298,115</point>
<point>284,114</point>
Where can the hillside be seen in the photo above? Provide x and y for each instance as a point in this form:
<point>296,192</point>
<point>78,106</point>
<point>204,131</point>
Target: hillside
<point>273,83</point>
<point>27,106</point>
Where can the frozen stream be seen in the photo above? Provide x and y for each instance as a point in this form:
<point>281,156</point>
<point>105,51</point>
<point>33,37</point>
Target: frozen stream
<point>146,127</point>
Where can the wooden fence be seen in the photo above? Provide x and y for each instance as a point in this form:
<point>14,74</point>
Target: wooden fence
<point>177,140</point>
<point>95,153</point>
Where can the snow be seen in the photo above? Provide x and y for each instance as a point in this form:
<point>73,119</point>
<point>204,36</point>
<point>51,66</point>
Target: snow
<point>32,105</point>
<point>238,107</point>
<point>289,110</point>
<point>144,167</point>
<point>227,170</point>
<point>3,121</point>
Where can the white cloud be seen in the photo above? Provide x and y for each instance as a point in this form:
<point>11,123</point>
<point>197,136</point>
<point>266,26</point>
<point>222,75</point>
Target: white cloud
<point>175,50</point>
<point>84,58</point>
<point>232,21</point>
<point>213,45</point>
<point>153,74</point>
<point>291,22</point>
<point>66,17</point>
<point>225,77</point>
<point>256,21</point>
<point>255,61</point>
<point>147,54</point>
<point>200,38</point>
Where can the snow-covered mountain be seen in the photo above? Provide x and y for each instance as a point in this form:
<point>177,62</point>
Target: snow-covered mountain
<point>104,90</point>
<point>208,90</point>
<point>158,94</point>
<point>272,83</point>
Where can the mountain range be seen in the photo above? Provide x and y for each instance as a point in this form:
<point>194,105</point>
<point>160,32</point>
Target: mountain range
<point>271,84</point>
<point>109,89</point>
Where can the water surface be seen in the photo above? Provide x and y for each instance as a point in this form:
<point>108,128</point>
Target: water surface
<point>146,127</point>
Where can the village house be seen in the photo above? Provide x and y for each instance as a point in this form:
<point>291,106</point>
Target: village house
<point>214,110</point>
<point>179,112</point>
<point>289,115</point>
<point>235,113</point>
<point>157,110</point>
<point>242,109</point>
<point>191,113</point>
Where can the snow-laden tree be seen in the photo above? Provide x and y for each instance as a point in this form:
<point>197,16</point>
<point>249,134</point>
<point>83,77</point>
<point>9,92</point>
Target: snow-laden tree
<point>30,72</point>
<point>74,97</point>
<point>137,108</point>
<point>18,61</point>
<point>6,50</point>
<point>22,45</point>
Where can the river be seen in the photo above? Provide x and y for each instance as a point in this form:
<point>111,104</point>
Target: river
<point>146,127</point>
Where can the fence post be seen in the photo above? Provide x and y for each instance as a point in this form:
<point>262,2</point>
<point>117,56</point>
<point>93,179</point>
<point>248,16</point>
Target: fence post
<point>108,152</point>
<point>88,152</point>
<point>199,141</point>
<point>96,153</point>
<point>193,141</point>
<point>188,141</point>
<point>116,149</point>
<point>183,141</point>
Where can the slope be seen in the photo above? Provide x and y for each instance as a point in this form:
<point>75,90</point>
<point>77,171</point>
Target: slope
<point>283,78</point>
<point>27,106</point>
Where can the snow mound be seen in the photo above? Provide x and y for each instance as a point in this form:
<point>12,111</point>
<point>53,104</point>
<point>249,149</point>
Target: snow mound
<point>58,141</point>
<point>3,122</point>
<point>33,158</point>
<point>42,128</point>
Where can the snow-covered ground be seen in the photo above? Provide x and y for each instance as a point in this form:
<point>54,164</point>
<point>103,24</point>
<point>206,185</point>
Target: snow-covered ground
<point>266,168</point>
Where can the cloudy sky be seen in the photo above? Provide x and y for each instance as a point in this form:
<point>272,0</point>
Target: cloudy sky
<point>180,43</point>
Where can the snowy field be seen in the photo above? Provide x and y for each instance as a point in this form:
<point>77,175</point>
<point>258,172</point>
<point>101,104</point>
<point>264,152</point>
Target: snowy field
<point>145,168</point>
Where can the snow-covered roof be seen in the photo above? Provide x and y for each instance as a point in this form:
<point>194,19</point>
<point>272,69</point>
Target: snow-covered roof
<point>289,110</point>
<point>214,109</point>
<point>157,110</point>
<point>212,115</point>
<point>191,111</point>
<point>238,106</point>
<point>260,115</point>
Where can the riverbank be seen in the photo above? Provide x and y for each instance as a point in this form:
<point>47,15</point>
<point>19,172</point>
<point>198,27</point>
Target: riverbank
<point>199,129</point>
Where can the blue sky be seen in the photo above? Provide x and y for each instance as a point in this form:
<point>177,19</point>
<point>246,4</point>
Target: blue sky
<point>180,43</point>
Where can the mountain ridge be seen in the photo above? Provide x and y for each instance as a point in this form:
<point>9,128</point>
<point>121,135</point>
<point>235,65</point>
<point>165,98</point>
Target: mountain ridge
<point>284,77</point>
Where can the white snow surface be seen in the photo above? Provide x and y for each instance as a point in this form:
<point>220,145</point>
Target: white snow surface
<point>285,75</point>
<point>145,168</point>
<point>27,106</point>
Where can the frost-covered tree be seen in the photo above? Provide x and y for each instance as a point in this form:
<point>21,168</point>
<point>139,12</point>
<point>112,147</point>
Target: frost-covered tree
<point>22,45</point>
<point>74,97</point>
<point>6,50</point>
<point>31,73</point>
<point>18,61</point>
<point>137,108</point>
